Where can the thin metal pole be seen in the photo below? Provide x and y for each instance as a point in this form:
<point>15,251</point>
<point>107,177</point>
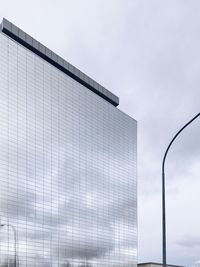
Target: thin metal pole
<point>163,189</point>
<point>15,238</point>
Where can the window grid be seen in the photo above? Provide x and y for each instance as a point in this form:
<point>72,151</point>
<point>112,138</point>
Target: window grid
<point>67,169</point>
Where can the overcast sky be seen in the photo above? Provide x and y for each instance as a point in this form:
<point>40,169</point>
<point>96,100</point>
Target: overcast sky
<point>148,53</point>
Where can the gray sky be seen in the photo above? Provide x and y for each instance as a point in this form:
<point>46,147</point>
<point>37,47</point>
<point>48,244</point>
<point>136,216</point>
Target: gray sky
<point>148,53</point>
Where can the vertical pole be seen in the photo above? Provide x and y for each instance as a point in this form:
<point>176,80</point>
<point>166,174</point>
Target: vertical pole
<point>15,237</point>
<point>163,191</point>
<point>15,240</point>
<point>163,215</point>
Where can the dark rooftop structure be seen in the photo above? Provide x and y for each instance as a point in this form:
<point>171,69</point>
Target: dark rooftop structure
<point>29,42</point>
<point>145,264</point>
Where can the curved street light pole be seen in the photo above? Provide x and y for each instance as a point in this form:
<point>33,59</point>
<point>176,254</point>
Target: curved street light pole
<point>15,238</point>
<point>163,189</point>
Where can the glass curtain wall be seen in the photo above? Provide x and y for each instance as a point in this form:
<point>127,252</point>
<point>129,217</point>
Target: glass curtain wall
<point>68,192</point>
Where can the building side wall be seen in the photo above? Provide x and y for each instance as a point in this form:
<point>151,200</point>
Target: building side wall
<point>67,169</point>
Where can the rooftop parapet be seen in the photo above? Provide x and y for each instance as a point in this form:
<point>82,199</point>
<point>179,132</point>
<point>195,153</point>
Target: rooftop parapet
<point>32,44</point>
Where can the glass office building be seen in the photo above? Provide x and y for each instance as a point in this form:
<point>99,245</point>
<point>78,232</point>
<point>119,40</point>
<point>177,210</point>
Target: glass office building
<point>68,188</point>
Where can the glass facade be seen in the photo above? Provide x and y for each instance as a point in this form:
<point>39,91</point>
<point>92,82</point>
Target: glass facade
<point>68,189</point>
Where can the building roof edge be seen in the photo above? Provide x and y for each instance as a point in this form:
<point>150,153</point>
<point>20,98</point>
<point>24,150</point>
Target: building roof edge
<point>156,263</point>
<point>36,47</point>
